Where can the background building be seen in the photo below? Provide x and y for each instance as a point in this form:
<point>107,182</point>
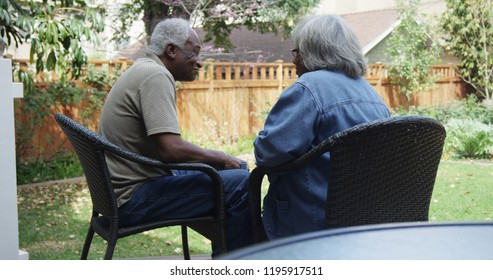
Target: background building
<point>372,21</point>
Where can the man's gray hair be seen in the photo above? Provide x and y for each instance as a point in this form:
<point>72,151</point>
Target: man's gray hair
<point>169,31</point>
<point>327,42</point>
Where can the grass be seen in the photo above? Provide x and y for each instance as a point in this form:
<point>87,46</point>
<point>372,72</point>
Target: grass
<point>53,222</point>
<point>463,192</point>
<point>53,219</point>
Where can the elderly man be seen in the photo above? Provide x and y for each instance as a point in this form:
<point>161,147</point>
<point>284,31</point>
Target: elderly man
<point>140,114</point>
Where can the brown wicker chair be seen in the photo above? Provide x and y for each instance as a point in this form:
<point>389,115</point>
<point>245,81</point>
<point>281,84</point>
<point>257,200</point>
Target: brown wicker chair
<point>91,149</point>
<point>380,172</point>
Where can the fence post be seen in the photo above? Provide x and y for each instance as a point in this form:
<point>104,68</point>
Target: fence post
<point>124,62</point>
<point>280,74</point>
<point>9,231</point>
<point>210,70</point>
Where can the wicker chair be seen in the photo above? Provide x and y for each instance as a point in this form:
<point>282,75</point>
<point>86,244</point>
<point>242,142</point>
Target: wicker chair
<point>91,149</point>
<point>380,172</point>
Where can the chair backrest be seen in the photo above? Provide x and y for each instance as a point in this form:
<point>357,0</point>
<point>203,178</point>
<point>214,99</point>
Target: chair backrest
<point>90,148</point>
<point>383,171</point>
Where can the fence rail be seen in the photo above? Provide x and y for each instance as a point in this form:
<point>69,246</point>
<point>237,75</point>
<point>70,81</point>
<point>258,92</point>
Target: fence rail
<point>229,99</point>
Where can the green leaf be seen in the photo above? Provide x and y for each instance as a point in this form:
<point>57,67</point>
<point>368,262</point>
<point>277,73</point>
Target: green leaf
<point>54,32</point>
<point>51,61</point>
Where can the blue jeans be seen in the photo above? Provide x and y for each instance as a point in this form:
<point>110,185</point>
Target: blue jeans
<point>189,194</point>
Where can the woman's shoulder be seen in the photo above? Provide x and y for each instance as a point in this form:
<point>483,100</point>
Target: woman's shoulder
<point>321,76</point>
<point>327,79</point>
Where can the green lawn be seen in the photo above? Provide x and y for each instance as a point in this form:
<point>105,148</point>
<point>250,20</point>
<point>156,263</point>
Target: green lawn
<point>463,192</point>
<point>53,220</point>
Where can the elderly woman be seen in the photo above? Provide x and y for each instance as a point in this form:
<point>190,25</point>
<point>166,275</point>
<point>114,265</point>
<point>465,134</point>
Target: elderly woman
<point>330,95</point>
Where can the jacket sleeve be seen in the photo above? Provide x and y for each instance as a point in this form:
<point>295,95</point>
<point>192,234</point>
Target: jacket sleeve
<point>289,128</point>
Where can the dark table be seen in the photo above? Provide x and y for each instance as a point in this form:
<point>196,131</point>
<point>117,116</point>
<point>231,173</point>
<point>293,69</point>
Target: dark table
<point>400,241</point>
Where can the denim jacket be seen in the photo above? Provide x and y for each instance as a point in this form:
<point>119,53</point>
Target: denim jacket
<point>318,105</point>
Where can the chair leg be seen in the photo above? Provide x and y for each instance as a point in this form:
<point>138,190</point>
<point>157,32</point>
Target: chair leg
<point>184,241</point>
<point>87,243</point>
<point>110,249</point>
<point>254,201</point>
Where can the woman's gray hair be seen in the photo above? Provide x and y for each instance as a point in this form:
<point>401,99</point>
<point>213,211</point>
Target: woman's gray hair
<point>169,31</point>
<point>327,42</point>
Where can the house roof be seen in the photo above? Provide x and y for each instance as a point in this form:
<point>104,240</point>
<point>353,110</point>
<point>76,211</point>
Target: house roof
<point>370,28</point>
<point>249,46</point>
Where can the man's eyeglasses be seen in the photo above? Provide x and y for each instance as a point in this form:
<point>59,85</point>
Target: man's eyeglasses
<point>295,51</point>
<point>189,53</point>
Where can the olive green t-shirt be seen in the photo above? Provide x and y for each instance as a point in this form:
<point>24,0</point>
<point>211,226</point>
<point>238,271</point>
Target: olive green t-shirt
<point>141,103</point>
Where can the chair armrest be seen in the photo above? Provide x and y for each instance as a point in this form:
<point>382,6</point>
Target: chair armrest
<point>314,153</point>
<point>121,152</point>
<point>205,168</point>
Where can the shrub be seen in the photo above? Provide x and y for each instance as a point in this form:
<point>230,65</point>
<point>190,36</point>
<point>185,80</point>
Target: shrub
<point>61,166</point>
<point>101,79</point>
<point>469,139</point>
<point>469,126</point>
<point>469,108</point>
<point>42,102</point>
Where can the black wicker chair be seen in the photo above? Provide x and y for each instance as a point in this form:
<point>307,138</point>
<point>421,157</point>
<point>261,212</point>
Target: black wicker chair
<point>91,149</point>
<point>380,172</point>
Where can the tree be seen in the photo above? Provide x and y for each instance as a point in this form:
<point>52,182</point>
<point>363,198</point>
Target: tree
<point>216,17</point>
<point>412,51</point>
<point>54,29</point>
<point>468,26</point>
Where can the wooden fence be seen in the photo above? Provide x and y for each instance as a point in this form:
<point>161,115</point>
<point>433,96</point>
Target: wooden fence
<point>229,100</point>
<point>235,97</point>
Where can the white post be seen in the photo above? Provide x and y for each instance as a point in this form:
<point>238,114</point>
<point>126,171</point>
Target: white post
<point>9,229</point>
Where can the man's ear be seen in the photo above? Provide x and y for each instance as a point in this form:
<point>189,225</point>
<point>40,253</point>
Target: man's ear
<point>170,50</point>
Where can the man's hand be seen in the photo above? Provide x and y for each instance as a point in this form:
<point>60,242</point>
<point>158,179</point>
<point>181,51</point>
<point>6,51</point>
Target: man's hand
<point>231,162</point>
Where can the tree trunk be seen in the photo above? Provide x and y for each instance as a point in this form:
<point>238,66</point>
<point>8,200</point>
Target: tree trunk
<point>156,11</point>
